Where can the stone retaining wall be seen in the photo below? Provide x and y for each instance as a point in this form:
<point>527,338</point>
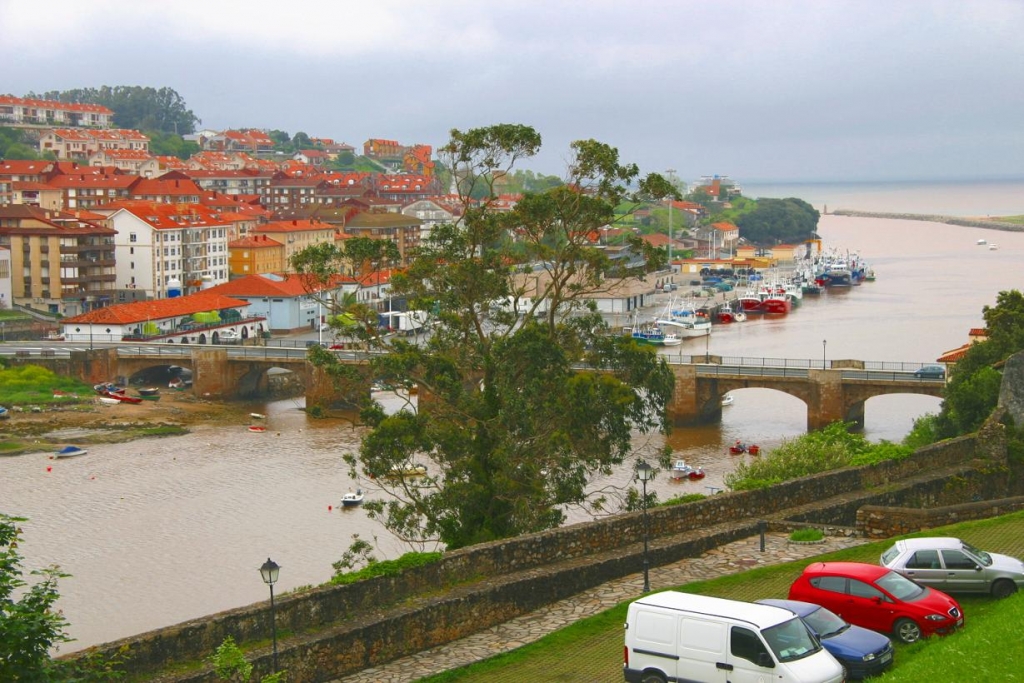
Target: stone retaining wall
<point>877,521</point>
<point>597,552</point>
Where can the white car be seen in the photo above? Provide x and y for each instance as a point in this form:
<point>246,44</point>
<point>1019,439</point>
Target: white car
<point>954,566</point>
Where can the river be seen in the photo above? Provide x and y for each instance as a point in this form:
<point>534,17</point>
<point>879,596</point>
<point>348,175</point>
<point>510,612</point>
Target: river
<point>160,531</point>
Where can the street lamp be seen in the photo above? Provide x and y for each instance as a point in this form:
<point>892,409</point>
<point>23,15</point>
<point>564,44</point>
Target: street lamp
<point>671,173</point>
<point>643,473</point>
<point>823,342</point>
<point>269,572</point>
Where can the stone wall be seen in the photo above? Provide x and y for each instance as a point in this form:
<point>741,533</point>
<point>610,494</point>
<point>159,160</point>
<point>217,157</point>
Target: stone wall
<point>876,521</point>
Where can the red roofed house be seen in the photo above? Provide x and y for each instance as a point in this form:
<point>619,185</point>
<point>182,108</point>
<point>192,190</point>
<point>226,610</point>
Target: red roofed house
<point>283,299</point>
<point>80,143</point>
<point>63,264</point>
<point>296,235</point>
<point>167,320</point>
<point>163,247</point>
<point>256,254</point>
<point>173,187</point>
<point>49,112</point>
<point>134,161</point>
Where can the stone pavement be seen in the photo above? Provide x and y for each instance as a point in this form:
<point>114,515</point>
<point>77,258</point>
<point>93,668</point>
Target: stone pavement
<point>728,559</point>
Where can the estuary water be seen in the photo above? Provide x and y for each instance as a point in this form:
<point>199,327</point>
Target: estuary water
<point>159,531</point>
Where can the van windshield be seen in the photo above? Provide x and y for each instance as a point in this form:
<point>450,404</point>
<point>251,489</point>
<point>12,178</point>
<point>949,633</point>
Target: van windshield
<point>791,640</point>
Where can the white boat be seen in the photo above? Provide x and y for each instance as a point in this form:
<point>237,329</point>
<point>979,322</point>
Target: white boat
<point>727,400</point>
<point>993,246</point>
<point>684,321</point>
<point>982,241</point>
<point>69,452</point>
<point>257,416</point>
<point>108,401</point>
<point>4,413</point>
<point>352,498</point>
<point>398,472</point>
<point>680,470</point>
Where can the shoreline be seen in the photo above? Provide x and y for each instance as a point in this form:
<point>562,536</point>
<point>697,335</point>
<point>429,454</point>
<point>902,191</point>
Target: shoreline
<point>968,222</point>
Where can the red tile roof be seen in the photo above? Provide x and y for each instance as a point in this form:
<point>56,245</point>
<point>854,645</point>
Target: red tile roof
<point>283,285</point>
<point>158,309</point>
<point>254,242</point>
<point>52,104</point>
<point>293,226</point>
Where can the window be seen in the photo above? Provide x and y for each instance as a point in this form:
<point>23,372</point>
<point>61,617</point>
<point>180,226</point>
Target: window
<point>835,584</point>
<point>132,237</point>
<point>863,590</point>
<point>924,559</point>
<point>745,644</point>
<point>955,559</point>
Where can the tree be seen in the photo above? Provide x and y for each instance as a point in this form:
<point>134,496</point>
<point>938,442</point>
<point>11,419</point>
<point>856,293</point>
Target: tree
<point>779,220</point>
<point>301,141</point>
<point>524,395</point>
<point>30,626</point>
<point>135,106</point>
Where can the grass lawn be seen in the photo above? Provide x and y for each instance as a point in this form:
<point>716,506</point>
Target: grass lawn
<point>989,648</point>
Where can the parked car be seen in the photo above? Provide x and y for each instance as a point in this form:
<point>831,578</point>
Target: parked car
<point>930,372</point>
<point>861,652</point>
<point>878,598</point>
<point>954,566</point>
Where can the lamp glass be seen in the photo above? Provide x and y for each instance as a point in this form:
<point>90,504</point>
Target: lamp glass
<point>643,471</point>
<point>269,572</point>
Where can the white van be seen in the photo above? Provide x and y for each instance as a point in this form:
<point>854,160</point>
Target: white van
<point>673,636</point>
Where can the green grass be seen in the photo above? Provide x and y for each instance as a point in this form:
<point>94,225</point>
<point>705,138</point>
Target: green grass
<point>1011,219</point>
<point>988,649</point>
<point>34,385</point>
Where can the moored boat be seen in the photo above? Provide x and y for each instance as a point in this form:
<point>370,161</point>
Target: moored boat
<point>123,398</point>
<point>680,470</point>
<point>727,400</point>
<point>4,413</point>
<point>399,472</point>
<point>149,391</point>
<point>69,452</point>
<point>109,401</point>
<point>257,428</point>
<point>696,473</point>
<point>352,498</point>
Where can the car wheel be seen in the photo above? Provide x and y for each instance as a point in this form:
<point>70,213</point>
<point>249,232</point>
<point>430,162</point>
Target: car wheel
<point>1003,588</point>
<point>652,677</point>
<point>906,631</point>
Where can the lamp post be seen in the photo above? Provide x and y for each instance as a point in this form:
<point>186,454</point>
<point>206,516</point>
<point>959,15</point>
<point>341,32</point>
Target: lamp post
<point>320,322</point>
<point>823,343</point>
<point>269,572</point>
<point>643,473</point>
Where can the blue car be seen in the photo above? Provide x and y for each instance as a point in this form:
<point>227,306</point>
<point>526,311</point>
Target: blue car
<point>862,652</point>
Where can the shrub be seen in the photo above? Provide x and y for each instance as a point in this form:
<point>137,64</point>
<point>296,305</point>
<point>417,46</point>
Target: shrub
<point>806,535</point>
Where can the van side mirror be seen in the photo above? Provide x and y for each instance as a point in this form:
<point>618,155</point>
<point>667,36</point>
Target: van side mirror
<point>765,660</point>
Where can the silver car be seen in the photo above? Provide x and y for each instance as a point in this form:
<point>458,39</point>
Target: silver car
<point>953,566</point>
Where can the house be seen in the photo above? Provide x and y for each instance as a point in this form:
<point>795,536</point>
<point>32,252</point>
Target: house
<point>163,248</point>
<point>253,254</point>
<point>64,264</point>
<point>134,161</point>
<point>171,321</point>
<point>314,157</point>
<point>81,143</point>
<point>289,302</point>
<point>14,170</point>
<point>85,187</point>
<point>429,212</point>
<point>6,292</point>
<point>295,235</point>
<point>21,110</point>
<point>403,230</point>
<point>173,187</point>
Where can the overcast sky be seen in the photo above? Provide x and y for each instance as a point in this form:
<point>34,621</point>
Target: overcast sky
<point>756,90</point>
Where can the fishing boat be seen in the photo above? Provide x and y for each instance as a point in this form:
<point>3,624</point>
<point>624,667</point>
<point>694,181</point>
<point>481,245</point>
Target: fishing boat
<point>726,314</point>
<point>684,321</point>
<point>680,470</point>
<point>69,452</point>
<point>352,498</point>
<point>257,428</point>
<point>654,335</point>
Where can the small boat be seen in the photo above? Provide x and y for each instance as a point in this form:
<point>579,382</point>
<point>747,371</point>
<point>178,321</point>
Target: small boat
<point>149,391</point>
<point>257,428</point>
<point>680,470</point>
<point>4,413</point>
<point>150,397</point>
<point>69,452</point>
<point>105,388</point>
<point>352,498</point>
<point>993,246</point>
<point>179,384</point>
<point>982,241</point>
<point>108,401</point>
<point>738,447</point>
<point>258,416</point>
<point>696,473</point>
<point>727,400</point>
<point>399,472</point>
<point>754,449</point>
<point>122,398</point>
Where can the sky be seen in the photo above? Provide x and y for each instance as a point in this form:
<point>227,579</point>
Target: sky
<point>787,90</point>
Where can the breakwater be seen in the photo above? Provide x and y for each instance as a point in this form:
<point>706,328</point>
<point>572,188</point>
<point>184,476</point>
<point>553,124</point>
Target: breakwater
<point>951,220</point>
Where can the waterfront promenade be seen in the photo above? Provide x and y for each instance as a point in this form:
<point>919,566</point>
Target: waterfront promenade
<point>731,558</point>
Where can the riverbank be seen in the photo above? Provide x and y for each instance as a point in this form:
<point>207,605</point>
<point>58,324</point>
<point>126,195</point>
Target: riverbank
<point>974,222</point>
<point>89,422</point>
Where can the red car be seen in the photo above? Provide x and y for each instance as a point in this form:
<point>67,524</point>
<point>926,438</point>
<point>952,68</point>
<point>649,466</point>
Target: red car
<point>875,597</point>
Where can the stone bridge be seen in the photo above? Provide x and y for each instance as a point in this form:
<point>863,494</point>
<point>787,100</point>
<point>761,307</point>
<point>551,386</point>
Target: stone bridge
<point>836,393</point>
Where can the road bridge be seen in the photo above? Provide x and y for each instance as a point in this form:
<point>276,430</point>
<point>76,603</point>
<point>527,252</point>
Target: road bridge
<point>832,390</point>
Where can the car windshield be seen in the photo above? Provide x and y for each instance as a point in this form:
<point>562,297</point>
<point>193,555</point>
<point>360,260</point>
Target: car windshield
<point>890,555</point>
<point>825,623</point>
<point>791,640</point>
<point>899,586</point>
<point>981,555</point>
